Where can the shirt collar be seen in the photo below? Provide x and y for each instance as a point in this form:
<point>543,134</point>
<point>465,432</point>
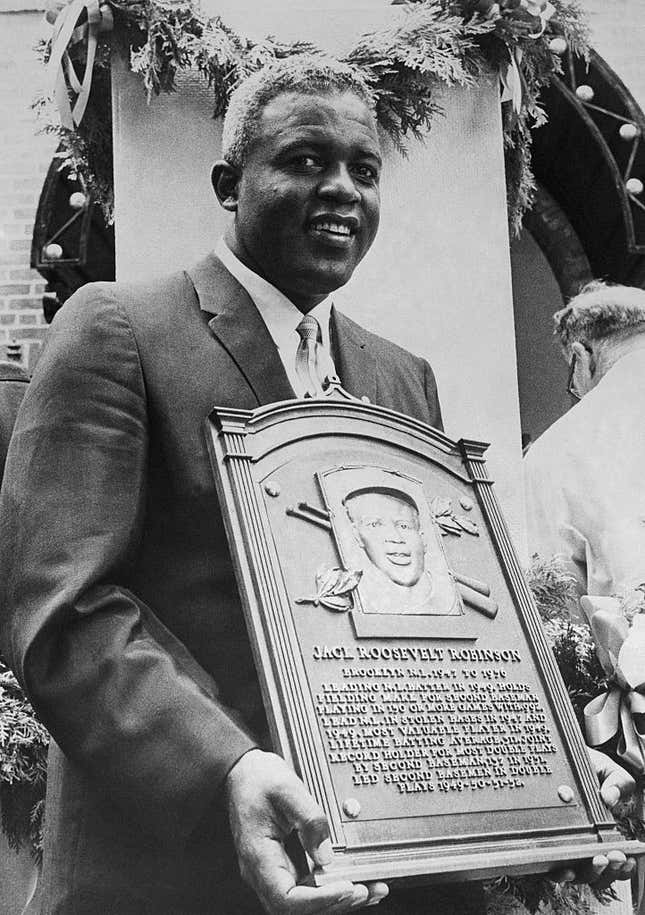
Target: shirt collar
<point>278,313</point>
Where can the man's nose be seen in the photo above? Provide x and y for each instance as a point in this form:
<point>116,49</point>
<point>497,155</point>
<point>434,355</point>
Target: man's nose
<point>338,183</point>
<point>393,534</point>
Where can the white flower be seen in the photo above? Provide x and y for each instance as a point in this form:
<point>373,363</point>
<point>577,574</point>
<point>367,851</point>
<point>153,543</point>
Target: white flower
<point>542,10</point>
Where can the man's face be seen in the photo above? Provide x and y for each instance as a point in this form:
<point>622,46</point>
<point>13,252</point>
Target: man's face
<point>307,206</point>
<point>387,528</point>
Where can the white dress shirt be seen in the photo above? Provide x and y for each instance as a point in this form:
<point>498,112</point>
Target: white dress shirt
<point>281,317</point>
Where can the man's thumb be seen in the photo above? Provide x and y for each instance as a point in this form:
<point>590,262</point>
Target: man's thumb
<point>313,829</point>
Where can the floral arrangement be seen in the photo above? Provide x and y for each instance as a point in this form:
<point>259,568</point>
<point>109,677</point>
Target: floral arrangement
<point>588,659</point>
<point>430,43</point>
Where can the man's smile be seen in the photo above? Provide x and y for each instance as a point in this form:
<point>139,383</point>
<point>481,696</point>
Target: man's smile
<point>335,229</point>
<point>399,558</point>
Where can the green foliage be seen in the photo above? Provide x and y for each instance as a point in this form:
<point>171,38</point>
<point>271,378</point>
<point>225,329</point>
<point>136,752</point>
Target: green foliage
<point>406,63</point>
<point>575,654</point>
<point>539,894</point>
<point>23,766</point>
<point>86,153</point>
<point>433,43</point>
<point>556,597</point>
<point>553,588</point>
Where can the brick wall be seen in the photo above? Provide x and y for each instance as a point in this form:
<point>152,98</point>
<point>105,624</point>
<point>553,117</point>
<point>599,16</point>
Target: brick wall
<point>23,164</point>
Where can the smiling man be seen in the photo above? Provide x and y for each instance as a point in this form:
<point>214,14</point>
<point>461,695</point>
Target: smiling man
<point>120,611</point>
<point>395,579</point>
<point>387,527</point>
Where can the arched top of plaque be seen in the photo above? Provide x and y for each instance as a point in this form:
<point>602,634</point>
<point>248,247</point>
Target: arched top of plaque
<point>336,405</point>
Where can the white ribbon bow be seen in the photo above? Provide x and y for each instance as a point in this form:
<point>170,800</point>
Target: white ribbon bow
<point>60,69</point>
<point>621,651</point>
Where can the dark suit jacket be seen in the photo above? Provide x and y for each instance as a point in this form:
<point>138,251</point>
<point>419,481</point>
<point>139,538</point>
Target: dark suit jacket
<point>120,612</point>
<point>13,384</point>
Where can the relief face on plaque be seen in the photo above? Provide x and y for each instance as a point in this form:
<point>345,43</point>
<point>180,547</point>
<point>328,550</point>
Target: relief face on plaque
<point>384,529</point>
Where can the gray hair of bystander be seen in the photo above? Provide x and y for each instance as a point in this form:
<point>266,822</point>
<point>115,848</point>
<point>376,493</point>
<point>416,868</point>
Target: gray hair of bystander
<point>601,312</point>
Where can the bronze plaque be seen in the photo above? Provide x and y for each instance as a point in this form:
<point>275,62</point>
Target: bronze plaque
<point>405,672</point>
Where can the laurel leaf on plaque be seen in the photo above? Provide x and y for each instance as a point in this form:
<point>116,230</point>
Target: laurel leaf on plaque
<point>333,589</point>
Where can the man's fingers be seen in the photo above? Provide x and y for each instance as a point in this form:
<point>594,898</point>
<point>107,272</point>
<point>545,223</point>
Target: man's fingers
<point>618,783</point>
<point>599,864</point>
<point>610,795</point>
<point>314,835</point>
<point>618,868</point>
<point>600,872</point>
<point>300,811</point>
<point>267,803</point>
<point>377,891</point>
<point>332,899</point>
<point>615,782</point>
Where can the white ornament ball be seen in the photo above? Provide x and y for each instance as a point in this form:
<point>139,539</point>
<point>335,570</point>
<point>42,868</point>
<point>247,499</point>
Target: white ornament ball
<point>53,252</point>
<point>77,200</point>
<point>558,45</point>
<point>585,93</point>
<point>634,185</point>
<point>628,131</point>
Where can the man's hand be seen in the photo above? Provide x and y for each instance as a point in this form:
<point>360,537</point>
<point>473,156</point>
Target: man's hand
<point>266,802</point>
<point>602,870</point>
<point>615,782</point>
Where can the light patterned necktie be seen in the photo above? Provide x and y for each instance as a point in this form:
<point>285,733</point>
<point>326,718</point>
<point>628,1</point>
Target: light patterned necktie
<point>308,368</point>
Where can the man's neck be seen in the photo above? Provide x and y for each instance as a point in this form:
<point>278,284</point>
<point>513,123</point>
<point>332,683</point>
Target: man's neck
<point>613,351</point>
<point>304,304</point>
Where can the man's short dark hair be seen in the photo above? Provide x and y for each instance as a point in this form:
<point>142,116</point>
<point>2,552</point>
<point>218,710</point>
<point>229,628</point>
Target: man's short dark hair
<point>306,74</point>
<point>599,311</point>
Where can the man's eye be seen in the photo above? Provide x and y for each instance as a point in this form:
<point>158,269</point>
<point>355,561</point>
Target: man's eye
<point>376,522</point>
<point>307,162</point>
<point>365,173</point>
<point>403,525</point>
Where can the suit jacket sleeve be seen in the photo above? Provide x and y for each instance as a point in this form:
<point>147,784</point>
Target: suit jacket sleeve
<point>121,695</point>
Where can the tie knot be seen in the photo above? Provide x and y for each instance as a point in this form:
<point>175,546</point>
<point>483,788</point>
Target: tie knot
<point>309,329</point>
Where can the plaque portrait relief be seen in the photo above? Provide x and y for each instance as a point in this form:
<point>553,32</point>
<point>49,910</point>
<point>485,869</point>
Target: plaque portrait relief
<point>385,530</point>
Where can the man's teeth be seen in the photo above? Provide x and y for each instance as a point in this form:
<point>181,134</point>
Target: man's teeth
<point>333,227</point>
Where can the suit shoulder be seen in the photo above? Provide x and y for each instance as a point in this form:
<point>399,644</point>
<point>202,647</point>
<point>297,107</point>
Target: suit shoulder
<point>381,346</point>
<point>135,303</point>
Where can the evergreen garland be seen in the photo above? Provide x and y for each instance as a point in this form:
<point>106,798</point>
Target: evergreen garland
<point>23,766</point>
<point>436,42</point>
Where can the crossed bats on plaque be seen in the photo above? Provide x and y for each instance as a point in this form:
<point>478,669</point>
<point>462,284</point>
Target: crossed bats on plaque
<point>393,546</point>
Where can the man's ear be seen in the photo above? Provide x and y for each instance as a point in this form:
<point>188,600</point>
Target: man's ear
<point>585,356</point>
<point>225,179</point>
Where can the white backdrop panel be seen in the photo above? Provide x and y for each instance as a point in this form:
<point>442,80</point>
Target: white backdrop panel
<point>437,279</point>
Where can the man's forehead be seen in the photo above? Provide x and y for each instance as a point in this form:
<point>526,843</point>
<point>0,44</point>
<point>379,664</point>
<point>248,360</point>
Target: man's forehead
<point>293,116</point>
<point>378,501</point>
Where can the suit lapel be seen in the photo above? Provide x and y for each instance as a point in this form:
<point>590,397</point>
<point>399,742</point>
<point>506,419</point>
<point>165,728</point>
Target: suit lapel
<point>355,364</point>
<point>237,324</point>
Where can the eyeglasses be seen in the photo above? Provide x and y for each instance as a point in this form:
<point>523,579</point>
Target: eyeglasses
<point>571,380</point>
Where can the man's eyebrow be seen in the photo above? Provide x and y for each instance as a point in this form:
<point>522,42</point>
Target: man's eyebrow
<point>321,142</point>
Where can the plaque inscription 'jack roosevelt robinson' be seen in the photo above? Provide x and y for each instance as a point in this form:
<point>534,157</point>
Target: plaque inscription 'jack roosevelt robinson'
<point>403,666</point>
